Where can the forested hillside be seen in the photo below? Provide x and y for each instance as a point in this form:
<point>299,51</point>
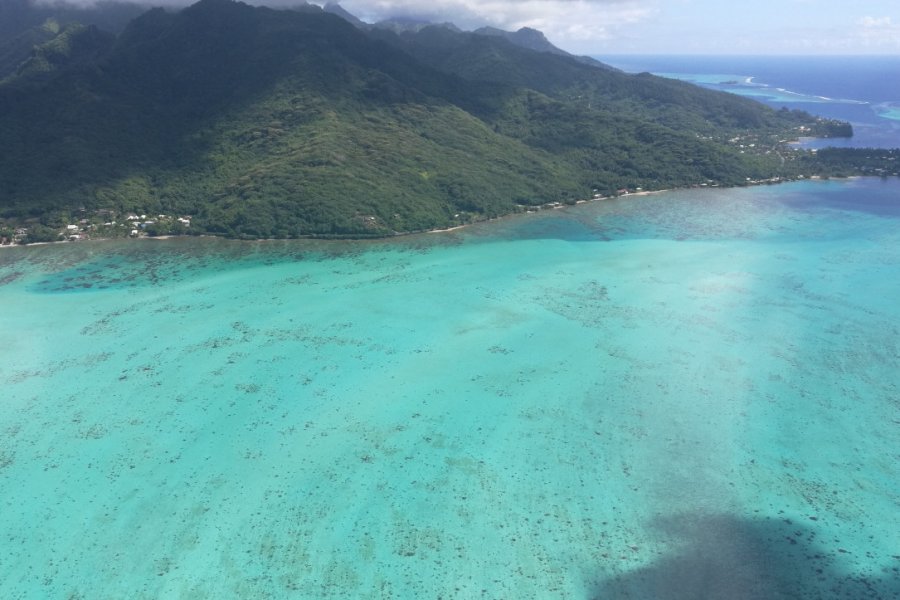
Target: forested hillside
<point>265,123</point>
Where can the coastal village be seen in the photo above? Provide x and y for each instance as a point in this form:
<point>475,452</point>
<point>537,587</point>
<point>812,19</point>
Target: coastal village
<point>102,224</point>
<point>106,224</point>
<point>84,224</point>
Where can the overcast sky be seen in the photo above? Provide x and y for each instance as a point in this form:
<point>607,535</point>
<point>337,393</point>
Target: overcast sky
<point>664,26</point>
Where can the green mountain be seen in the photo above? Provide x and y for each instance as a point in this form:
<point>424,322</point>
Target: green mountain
<point>18,49</point>
<point>26,24</point>
<point>265,123</point>
<point>532,39</point>
<point>20,16</point>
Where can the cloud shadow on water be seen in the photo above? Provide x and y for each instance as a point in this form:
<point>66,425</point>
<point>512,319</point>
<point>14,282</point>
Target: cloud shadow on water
<point>724,557</point>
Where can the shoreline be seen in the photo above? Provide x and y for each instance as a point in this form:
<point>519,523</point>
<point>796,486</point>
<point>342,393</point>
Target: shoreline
<point>530,210</point>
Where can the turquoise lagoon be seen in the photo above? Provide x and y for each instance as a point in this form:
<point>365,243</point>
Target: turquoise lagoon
<point>692,394</point>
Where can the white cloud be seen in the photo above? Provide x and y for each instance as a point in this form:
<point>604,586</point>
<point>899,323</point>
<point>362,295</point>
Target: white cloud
<point>875,22</point>
<point>878,34</point>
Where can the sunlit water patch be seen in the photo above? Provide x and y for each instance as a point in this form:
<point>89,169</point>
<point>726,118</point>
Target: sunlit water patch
<point>694,392</point>
<point>746,85</point>
<point>888,110</point>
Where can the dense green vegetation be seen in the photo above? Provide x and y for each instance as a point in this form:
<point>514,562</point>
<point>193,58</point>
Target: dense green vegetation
<point>20,16</point>
<point>263,123</point>
<point>17,49</point>
<point>846,162</point>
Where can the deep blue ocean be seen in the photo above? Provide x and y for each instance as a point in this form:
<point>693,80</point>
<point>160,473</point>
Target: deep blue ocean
<point>864,90</point>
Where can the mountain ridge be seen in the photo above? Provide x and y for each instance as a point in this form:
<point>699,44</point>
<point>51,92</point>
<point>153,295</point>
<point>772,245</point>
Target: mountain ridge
<point>525,37</point>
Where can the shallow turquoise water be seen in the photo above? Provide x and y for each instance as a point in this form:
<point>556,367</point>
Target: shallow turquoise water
<point>744,85</point>
<point>888,110</point>
<point>686,395</point>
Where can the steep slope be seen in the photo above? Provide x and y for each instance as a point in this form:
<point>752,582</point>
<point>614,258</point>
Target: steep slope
<point>525,37</point>
<point>261,123</point>
<point>26,24</point>
<point>19,16</point>
<point>264,123</point>
<point>338,10</point>
<point>667,102</point>
<point>15,51</point>
<point>72,47</point>
<point>532,39</point>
